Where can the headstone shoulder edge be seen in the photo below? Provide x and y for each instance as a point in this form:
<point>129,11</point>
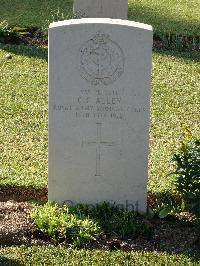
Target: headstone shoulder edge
<point>101,21</point>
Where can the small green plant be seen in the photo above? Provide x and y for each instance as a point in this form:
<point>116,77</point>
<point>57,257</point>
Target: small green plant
<point>81,223</point>
<point>61,225</point>
<point>187,174</point>
<point>112,219</point>
<point>164,204</point>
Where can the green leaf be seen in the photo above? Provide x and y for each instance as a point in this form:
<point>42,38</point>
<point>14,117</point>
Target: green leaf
<point>150,213</point>
<point>17,29</point>
<point>164,212</point>
<point>183,205</point>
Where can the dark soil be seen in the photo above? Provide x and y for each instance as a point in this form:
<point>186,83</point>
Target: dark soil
<point>16,227</point>
<point>33,36</point>
<point>166,235</point>
<point>179,234</point>
<point>20,194</point>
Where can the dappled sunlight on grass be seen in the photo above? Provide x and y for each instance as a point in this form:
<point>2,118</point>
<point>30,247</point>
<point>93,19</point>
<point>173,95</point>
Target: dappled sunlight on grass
<point>174,107</point>
<point>51,255</point>
<point>180,17</point>
<point>24,120</point>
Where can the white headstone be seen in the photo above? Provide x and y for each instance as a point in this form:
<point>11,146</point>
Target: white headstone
<point>101,8</point>
<point>99,108</point>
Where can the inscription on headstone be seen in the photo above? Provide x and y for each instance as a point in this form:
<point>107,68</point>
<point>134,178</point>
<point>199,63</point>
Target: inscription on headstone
<point>101,8</point>
<point>99,102</point>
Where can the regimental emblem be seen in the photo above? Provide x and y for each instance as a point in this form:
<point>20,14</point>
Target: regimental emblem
<point>101,60</point>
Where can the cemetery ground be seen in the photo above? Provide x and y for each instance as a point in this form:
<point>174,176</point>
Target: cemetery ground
<point>23,144</point>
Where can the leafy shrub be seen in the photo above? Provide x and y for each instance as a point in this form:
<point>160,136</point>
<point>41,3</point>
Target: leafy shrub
<point>187,174</point>
<point>163,204</point>
<point>79,224</point>
<point>61,225</point>
<point>8,33</point>
<point>112,219</point>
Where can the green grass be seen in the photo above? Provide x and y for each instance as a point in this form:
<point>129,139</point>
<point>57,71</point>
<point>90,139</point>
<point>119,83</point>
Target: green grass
<point>23,117</point>
<point>51,255</point>
<point>174,107</point>
<point>174,16</point>
<point>23,113</point>
<point>33,13</point>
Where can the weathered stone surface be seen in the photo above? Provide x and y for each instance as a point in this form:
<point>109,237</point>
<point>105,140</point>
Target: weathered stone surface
<point>99,106</point>
<point>101,8</point>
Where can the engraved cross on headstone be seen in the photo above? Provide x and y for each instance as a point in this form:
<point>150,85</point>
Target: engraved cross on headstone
<point>98,142</point>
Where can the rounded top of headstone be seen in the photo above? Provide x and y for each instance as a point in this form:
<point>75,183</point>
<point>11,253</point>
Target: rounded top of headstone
<point>101,21</point>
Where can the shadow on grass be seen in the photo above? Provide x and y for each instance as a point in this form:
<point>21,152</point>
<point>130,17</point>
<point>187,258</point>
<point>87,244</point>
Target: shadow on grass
<point>189,56</point>
<point>26,13</point>
<point>9,262</point>
<point>29,51</point>
<point>42,52</point>
<point>164,22</point>
<point>35,13</point>
<point>23,193</point>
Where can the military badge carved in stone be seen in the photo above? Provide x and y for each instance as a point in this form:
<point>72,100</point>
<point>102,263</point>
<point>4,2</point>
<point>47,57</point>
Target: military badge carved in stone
<point>101,60</point>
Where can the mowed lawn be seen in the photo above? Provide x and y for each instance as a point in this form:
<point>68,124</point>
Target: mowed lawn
<point>24,115</point>
<point>61,256</point>
<point>166,16</point>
